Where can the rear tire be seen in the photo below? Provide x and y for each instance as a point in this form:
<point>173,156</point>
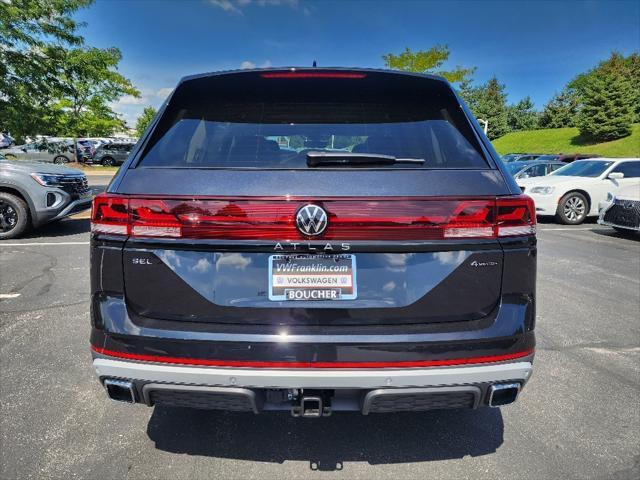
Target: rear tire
<point>572,209</point>
<point>60,160</point>
<point>14,216</point>
<point>107,162</point>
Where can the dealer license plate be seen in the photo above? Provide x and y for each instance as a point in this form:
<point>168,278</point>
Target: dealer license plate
<point>312,277</point>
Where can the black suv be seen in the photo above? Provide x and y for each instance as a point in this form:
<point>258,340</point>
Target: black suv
<point>313,240</point>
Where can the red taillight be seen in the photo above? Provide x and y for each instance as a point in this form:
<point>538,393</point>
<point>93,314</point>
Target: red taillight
<point>307,74</point>
<point>515,216</point>
<point>153,218</point>
<point>110,214</point>
<point>354,219</point>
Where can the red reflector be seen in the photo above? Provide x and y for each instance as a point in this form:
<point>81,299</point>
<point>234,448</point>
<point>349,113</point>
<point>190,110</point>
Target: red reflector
<point>307,74</point>
<point>348,218</point>
<point>254,364</point>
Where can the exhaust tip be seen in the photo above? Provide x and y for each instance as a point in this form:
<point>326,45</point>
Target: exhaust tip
<point>503,394</point>
<point>120,390</point>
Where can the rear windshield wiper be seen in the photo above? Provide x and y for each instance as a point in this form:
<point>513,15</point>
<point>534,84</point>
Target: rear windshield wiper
<point>337,159</point>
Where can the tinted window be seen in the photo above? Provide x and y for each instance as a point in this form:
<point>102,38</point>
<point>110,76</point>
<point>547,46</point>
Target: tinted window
<point>584,168</point>
<point>515,167</point>
<point>536,171</point>
<point>630,169</point>
<point>555,166</point>
<point>275,123</point>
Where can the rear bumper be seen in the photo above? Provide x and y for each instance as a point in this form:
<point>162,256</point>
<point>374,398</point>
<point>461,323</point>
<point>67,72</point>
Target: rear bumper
<point>312,377</point>
<point>364,390</point>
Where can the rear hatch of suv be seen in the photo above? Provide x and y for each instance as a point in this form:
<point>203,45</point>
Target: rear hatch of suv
<point>312,197</point>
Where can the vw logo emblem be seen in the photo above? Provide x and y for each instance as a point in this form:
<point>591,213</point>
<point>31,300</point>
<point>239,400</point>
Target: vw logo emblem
<point>311,220</point>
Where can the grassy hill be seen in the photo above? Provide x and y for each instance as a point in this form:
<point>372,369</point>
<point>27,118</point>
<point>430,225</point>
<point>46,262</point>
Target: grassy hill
<point>567,140</point>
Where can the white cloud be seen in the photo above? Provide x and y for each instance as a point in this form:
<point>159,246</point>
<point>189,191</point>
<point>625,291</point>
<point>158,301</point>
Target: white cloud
<point>130,100</point>
<point>389,286</point>
<point>248,64</point>
<point>233,260</point>
<point>164,92</point>
<point>236,6</point>
<point>130,108</point>
<point>202,266</point>
<point>226,5</point>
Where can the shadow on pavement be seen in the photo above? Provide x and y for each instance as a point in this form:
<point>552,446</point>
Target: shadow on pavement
<point>610,232</point>
<point>61,228</point>
<point>328,442</point>
<point>549,220</point>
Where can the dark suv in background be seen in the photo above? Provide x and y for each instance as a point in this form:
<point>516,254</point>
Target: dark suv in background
<point>313,240</point>
<point>112,153</point>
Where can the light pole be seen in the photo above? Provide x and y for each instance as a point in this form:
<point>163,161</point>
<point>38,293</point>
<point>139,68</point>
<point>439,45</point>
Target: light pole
<point>485,123</point>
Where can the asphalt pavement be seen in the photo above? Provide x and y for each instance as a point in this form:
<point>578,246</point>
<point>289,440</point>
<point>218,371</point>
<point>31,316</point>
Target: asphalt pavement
<point>579,417</point>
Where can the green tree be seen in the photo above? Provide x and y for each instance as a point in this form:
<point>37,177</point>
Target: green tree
<point>49,81</point>
<point>609,98</point>
<point>90,81</point>
<point>145,119</point>
<point>488,102</point>
<point>522,115</point>
<point>33,36</point>
<point>427,61</point>
<point>561,110</point>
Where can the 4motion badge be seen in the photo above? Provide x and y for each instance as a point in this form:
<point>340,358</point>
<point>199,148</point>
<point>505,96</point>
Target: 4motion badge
<point>476,263</point>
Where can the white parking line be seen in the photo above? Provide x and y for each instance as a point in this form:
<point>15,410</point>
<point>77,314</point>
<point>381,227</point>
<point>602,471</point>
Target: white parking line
<point>41,244</point>
<point>568,229</point>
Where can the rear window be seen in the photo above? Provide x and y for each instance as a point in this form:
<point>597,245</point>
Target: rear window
<point>245,120</point>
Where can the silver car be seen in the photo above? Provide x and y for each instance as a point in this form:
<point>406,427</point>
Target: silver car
<point>32,194</point>
<point>41,151</point>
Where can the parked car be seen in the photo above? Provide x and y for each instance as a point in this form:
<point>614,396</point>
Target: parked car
<point>572,157</point>
<point>396,275</point>
<point>525,157</point>
<point>32,194</point>
<point>549,158</point>
<point>536,168</point>
<point>510,156</point>
<point>113,153</point>
<point>86,150</point>
<point>573,192</point>
<point>59,152</point>
<point>5,140</point>
<point>622,210</point>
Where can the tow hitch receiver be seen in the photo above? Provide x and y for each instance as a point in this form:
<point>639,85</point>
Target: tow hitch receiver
<point>311,406</point>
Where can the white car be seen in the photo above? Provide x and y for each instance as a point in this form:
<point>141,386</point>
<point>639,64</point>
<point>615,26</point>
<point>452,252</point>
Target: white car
<point>622,210</point>
<point>572,193</point>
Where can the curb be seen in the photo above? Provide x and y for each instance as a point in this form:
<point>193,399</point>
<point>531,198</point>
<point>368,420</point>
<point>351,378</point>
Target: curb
<point>89,173</point>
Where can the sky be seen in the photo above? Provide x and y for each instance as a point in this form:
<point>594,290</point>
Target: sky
<point>533,47</point>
